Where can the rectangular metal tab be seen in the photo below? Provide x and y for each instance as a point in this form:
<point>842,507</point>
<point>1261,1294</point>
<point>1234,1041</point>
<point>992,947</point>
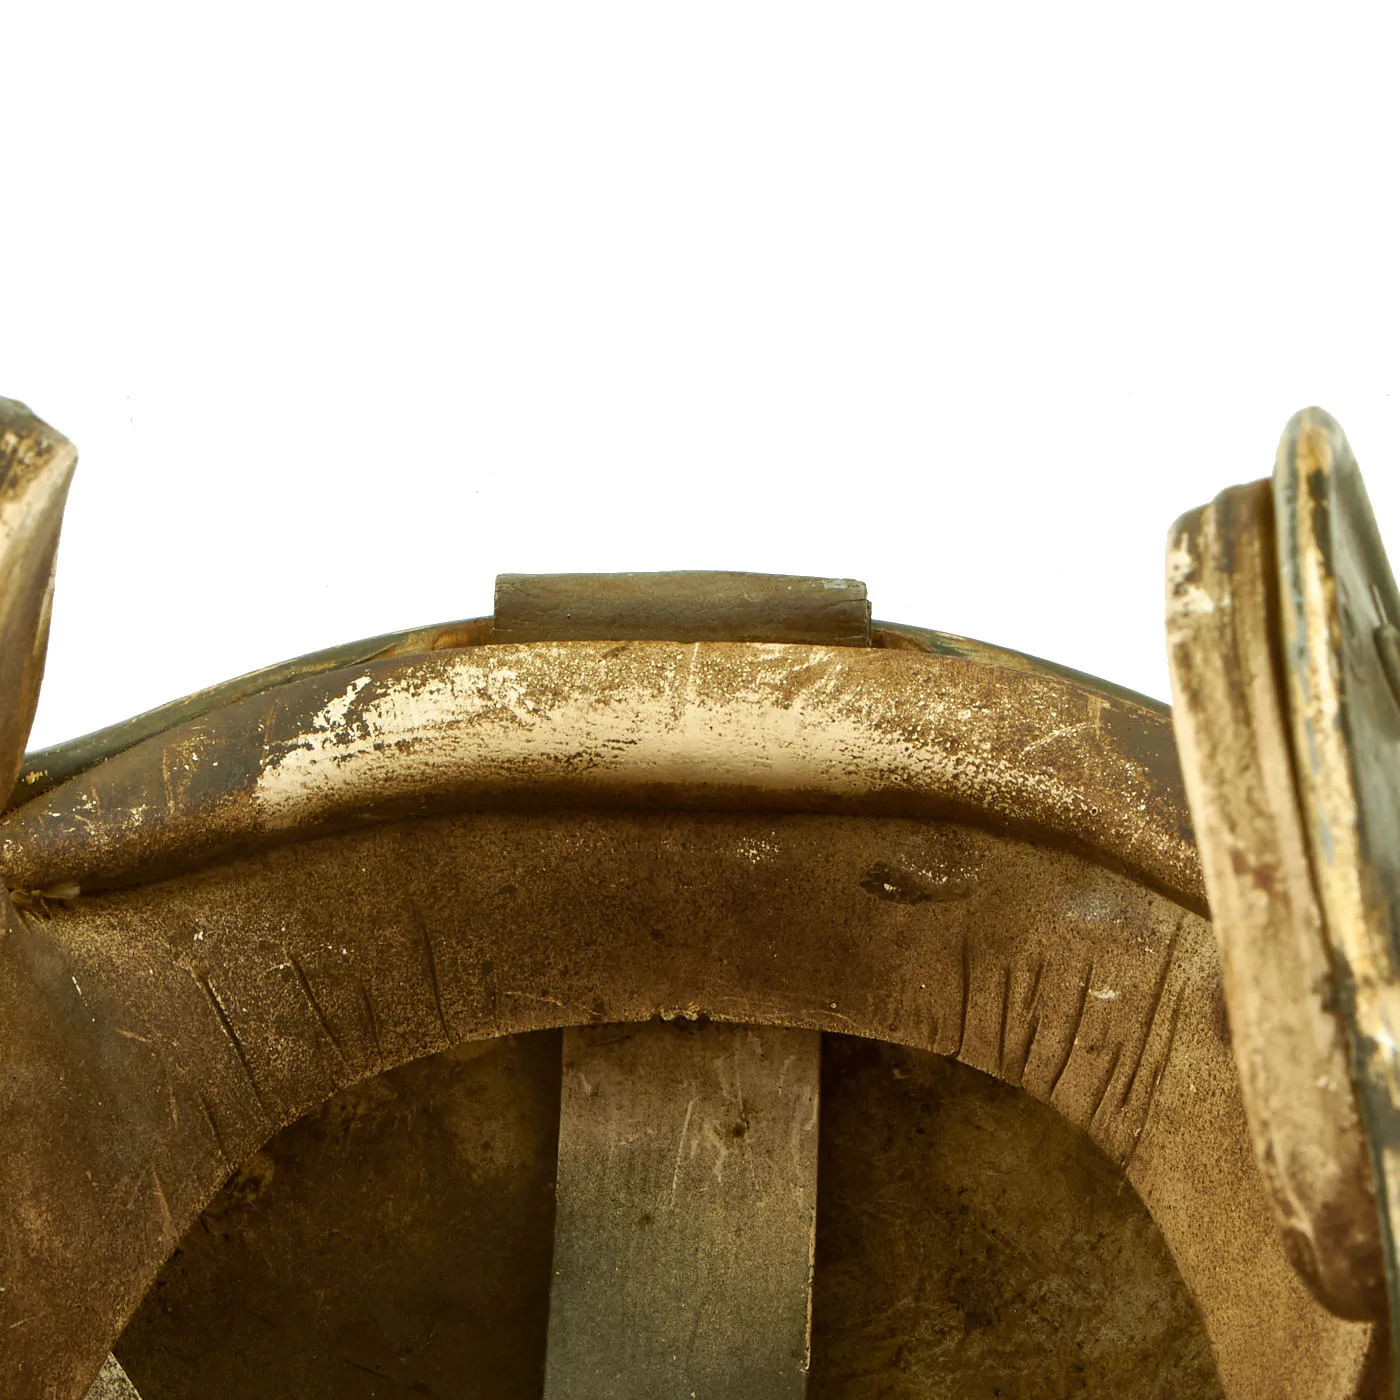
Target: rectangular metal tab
<point>686,1213</point>
<point>681,607</point>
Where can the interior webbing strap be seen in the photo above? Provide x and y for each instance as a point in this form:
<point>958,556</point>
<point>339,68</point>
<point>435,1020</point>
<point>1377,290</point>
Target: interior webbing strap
<point>687,1195</point>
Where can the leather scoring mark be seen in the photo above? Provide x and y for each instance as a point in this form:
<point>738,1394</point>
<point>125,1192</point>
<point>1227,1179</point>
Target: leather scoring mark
<point>430,959</point>
<point>317,1009</point>
<point>231,1035</point>
<point>371,1023</point>
<point>215,1133</point>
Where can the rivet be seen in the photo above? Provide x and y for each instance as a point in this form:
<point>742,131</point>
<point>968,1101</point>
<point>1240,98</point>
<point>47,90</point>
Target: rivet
<point>1388,645</point>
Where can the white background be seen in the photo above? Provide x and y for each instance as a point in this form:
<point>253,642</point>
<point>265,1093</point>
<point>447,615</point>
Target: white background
<point>350,308</point>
